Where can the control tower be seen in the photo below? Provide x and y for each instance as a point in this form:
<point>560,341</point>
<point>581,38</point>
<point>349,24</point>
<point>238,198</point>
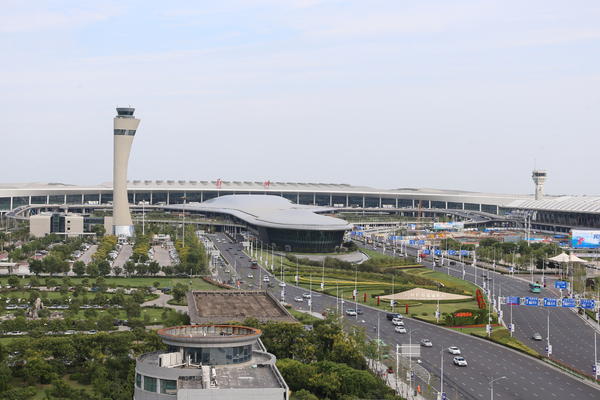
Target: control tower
<point>125,126</point>
<point>539,178</point>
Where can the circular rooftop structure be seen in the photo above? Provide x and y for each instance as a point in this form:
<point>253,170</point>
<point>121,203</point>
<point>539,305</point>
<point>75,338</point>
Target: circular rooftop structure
<point>209,335</point>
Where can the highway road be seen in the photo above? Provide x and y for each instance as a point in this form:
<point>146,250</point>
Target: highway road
<point>527,378</point>
<point>571,338</point>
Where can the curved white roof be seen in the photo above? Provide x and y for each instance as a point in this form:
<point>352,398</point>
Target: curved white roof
<point>270,212</point>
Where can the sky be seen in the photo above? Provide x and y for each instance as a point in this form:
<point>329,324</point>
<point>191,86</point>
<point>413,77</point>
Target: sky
<point>460,94</point>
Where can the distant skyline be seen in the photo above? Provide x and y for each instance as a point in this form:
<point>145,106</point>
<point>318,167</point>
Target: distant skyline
<point>468,95</point>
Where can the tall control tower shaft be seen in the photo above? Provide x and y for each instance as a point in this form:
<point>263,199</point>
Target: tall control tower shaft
<point>125,126</point>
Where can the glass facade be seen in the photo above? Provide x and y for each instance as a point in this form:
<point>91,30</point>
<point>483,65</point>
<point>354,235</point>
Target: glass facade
<point>306,198</point>
<point>293,197</point>
<point>38,199</point>
<point>57,199</point>
<point>4,203</point>
<point>405,203</point>
<point>105,198</point>
<point>142,196</point>
<point>159,197</point>
<point>74,198</point>
<point>218,355</point>
<point>20,201</point>
<point>138,380</point>
<point>337,200</point>
<point>323,200</point>
<point>176,198</point>
<point>194,197</point>
<point>438,204</point>
<point>488,208</point>
<point>168,386</point>
<point>150,384</point>
<point>130,197</point>
<point>305,241</point>
<point>209,195</point>
<point>388,202</point>
<point>91,197</point>
<point>471,206</point>
<point>454,206</point>
<point>355,201</point>
<point>371,202</point>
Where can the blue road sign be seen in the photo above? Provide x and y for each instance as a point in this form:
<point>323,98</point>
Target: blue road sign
<point>548,302</point>
<point>512,300</point>
<point>560,284</point>
<point>452,252</point>
<point>570,303</point>
<point>427,251</point>
<point>444,396</point>
<point>588,304</point>
<point>411,242</point>
<point>421,242</point>
<point>438,252</point>
<point>532,301</point>
<point>464,252</point>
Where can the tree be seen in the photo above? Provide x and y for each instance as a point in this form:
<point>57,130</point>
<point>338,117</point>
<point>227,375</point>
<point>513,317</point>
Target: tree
<point>303,394</point>
<point>179,292</point>
<point>129,268</point>
<point>103,268</point>
<point>117,271</point>
<point>99,230</point>
<point>79,268</point>
<point>14,281</point>
<point>153,268</point>
<point>92,269</point>
<point>36,266</point>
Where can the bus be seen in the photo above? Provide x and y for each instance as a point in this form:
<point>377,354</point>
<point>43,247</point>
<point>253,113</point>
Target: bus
<point>535,287</point>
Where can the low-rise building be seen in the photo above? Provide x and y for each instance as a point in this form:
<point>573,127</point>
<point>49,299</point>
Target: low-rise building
<point>216,362</point>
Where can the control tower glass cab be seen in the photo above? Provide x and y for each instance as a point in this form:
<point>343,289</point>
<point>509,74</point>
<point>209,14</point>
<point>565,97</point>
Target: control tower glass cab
<point>539,178</point>
<point>125,127</point>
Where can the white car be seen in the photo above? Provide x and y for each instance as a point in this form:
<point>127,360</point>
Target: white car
<point>426,343</point>
<point>250,276</point>
<point>454,350</point>
<point>400,329</point>
<point>351,313</point>
<point>306,295</point>
<point>266,279</point>
<point>397,322</point>
<point>282,284</point>
<point>298,299</point>
<point>459,361</point>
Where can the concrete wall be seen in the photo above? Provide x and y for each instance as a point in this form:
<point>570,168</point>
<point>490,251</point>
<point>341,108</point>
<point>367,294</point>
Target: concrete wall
<point>73,225</point>
<point>39,225</point>
<point>231,394</point>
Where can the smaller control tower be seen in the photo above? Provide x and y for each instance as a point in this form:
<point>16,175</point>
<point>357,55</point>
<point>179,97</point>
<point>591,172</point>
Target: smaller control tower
<point>539,178</point>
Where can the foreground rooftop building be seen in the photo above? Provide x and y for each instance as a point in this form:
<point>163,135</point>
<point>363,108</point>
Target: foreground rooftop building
<point>216,362</point>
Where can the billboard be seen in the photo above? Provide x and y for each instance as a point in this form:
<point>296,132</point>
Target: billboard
<point>585,239</point>
<point>439,226</point>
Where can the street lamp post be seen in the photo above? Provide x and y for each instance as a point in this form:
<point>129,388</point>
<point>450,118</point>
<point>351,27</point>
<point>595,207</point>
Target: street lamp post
<point>492,386</point>
<point>410,360</point>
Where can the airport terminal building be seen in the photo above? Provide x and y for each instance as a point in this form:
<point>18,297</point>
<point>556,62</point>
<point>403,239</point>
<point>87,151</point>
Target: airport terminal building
<point>549,213</point>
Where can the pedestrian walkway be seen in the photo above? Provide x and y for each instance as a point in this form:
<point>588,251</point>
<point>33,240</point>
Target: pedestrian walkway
<point>402,388</point>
